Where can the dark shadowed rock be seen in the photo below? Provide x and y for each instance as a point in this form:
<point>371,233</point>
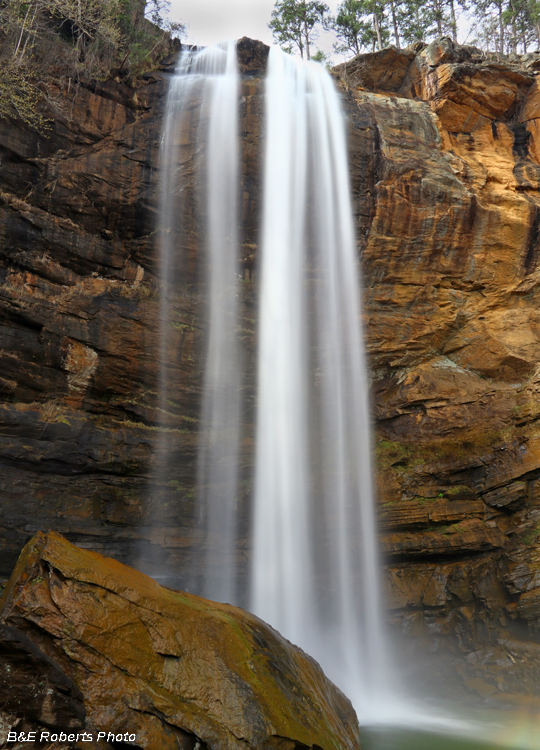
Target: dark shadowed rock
<point>32,685</point>
<point>252,55</point>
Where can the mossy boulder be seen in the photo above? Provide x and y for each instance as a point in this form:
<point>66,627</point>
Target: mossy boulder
<point>176,669</point>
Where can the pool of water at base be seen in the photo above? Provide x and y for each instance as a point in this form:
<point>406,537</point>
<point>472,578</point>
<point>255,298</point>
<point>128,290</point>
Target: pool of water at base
<point>400,738</point>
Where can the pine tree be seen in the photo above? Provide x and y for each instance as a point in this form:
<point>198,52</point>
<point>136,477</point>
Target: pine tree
<point>414,21</point>
<point>419,20</point>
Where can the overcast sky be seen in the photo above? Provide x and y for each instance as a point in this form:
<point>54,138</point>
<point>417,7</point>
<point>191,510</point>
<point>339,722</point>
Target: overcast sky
<point>211,21</point>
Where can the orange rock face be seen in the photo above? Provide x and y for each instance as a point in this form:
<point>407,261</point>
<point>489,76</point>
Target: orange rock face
<point>450,255</point>
<point>445,171</point>
<point>174,669</point>
<point>79,322</point>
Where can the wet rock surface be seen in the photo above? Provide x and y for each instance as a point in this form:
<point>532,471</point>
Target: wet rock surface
<point>445,169</point>
<point>34,685</point>
<point>174,669</point>
<point>79,322</point>
<point>450,263</point>
<point>39,703</point>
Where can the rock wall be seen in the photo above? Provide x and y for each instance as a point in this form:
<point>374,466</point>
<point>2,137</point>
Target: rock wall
<point>77,316</point>
<point>445,169</point>
<point>450,257</point>
<point>79,323</point>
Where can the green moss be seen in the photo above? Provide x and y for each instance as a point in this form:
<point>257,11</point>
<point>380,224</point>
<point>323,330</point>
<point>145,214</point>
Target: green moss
<point>142,426</point>
<point>459,490</point>
<point>531,537</point>
<point>187,491</point>
<point>190,420</point>
<point>389,453</point>
<point>182,327</point>
<point>405,457</point>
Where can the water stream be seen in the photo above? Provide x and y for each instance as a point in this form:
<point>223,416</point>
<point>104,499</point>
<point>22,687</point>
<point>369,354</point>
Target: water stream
<point>315,568</point>
<point>206,86</point>
<point>314,562</point>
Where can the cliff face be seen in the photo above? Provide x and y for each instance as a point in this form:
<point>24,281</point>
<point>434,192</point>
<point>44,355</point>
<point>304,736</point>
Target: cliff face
<point>79,322</point>
<point>450,255</point>
<point>77,319</point>
<point>445,167</point>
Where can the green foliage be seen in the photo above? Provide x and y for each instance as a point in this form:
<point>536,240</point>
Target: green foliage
<point>74,40</point>
<point>294,24</point>
<point>144,36</point>
<point>88,38</point>
<point>500,26</point>
<point>321,57</point>
<point>157,10</point>
<point>369,24</point>
<point>360,24</point>
<point>415,21</point>
<point>507,26</point>
<point>531,537</point>
<point>80,21</point>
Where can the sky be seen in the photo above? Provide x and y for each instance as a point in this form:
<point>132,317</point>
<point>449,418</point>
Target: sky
<point>211,21</point>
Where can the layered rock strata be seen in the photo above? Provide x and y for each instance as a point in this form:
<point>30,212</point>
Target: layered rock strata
<point>450,257</point>
<point>445,170</point>
<point>79,321</point>
<point>173,669</point>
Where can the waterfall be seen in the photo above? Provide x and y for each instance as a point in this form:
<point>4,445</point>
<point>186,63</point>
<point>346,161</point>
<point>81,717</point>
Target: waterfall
<point>315,570</point>
<point>204,96</point>
<point>314,558</point>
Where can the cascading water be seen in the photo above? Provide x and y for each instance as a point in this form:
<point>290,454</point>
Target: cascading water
<point>315,572</point>
<point>206,86</point>
<point>314,559</point>
<point>314,555</point>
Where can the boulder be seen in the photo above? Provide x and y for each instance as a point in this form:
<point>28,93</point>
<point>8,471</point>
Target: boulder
<point>174,669</point>
<point>35,695</point>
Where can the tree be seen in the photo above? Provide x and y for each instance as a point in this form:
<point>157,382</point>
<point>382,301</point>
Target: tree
<point>322,57</point>
<point>421,20</point>
<point>350,27</point>
<point>491,24</point>
<point>157,10</point>
<point>360,24</point>
<point>294,24</point>
<point>533,12</point>
<point>522,21</point>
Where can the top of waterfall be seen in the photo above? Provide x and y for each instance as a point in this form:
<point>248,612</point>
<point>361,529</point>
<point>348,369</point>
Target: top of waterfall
<point>219,59</point>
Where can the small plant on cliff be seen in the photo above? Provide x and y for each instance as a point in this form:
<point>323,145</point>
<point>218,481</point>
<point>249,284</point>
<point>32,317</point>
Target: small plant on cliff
<point>44,41</point>
<point>20,97</point>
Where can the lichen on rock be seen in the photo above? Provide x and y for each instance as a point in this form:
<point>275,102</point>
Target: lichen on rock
<point>173,668</point>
